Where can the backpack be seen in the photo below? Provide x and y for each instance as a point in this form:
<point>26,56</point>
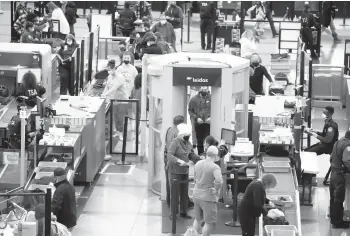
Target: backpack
<point>58,229</point>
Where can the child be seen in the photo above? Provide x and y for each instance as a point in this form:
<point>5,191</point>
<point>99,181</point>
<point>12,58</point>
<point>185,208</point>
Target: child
<point>28,34</point>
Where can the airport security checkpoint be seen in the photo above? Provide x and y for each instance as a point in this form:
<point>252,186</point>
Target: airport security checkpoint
<point>200,118</point>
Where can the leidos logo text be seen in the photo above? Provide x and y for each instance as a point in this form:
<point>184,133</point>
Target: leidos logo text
<point>198,80</point>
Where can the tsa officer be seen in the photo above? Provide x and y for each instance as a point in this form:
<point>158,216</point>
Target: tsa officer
<point>340,165</point>
<point>327,137</point>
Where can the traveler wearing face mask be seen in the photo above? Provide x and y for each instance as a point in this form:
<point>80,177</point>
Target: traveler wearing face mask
<point>178,163</point>
<point>167,31</point>
<point>327,137</point>
<point>115,88</point>
<point>199,109</point>
<point>129,72</point>
<point>174,16</point>
<point>65,56</point>
<point>256,80</point>
<point>121,47</point>
<point>208,181</point>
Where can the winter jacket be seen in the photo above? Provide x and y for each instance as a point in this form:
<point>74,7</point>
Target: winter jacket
<point>70,15</point>
<point>179,149</point>
<point>199,107</point>
<point>328,12</point>
<point>167,31</point>
<point>64,205</point>
<point>127,18</point>
<point>153,49</point>
<point>175,12</point>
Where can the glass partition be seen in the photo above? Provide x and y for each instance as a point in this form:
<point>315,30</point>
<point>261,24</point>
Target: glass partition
<point>86,46</point>
<point>240,107</point>
<point>158,153</point>
<point>119,109</point>
<point>95,48</point>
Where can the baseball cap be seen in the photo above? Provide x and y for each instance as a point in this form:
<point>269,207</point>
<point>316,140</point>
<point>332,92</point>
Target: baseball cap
<point>212,151</point>
<point>183,129</point>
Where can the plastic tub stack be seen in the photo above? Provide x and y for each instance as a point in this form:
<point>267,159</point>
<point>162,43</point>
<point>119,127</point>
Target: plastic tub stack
<point>280,63</point>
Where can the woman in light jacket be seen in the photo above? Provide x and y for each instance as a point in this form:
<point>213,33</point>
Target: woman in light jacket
<point>115,89</point>
<point>248,46</point>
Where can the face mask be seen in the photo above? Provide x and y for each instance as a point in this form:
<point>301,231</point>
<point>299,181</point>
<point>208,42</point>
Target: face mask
<point>255,64</point>
<point>122,49</point>
<point>126,62</point>
<point>324,116</point>
<point>203,93</point>
<point>163,22</point>
<point>149,44</point>
<point>69,43</point>
<point>186,138</point>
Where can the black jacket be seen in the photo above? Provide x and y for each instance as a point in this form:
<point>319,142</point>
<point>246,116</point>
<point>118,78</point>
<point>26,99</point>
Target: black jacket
<point>328,12</point>
<point>64,205</point>
<point>256,80</point>
<point>337,161</point>
<point>207,10</point>
<point>70,15</point>
<point>175,12</point>
<point>31,94</point>
<point>153,49</point>
<point>127,18</point>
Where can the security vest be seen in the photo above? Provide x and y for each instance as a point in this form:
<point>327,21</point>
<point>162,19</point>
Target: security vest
<point>334,125</point>
<point>337,162</point>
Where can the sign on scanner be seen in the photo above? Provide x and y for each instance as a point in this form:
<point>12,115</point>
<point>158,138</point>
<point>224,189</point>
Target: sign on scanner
<point>197,77</point>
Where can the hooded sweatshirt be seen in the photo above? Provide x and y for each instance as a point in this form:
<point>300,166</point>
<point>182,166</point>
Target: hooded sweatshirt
<point>57,14</point>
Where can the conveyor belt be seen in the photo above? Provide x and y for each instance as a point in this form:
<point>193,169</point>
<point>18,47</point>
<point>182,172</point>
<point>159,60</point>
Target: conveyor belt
<point>285,183</point>
<point>9,113</point>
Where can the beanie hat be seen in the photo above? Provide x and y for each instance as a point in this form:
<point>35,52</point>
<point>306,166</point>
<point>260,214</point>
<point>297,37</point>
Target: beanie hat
<point>111,63</point>
<point>59,172</point>
<point>183,129</point>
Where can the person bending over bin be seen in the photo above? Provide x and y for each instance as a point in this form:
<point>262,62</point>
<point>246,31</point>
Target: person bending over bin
<point>340,166</point>
<point>179,162</point>
<point>257,74</point>
<point>327,137</point>
<point>208,182</point>
<point>253,203</point>
<point>199,110</point>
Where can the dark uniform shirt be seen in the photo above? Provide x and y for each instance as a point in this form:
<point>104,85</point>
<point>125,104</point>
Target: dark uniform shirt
<point>38,91</point>
<point>338,154</point>
<point>330,133</point>
<point>256,80</point>
<point>207,10</point>
<point>308,20</point>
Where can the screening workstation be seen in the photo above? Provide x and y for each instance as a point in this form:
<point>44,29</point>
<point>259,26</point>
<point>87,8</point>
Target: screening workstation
<point>223,73</point>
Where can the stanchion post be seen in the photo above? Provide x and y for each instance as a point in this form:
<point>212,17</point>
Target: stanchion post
<point>125,135</point>
<point>100,7</point>
<point>234,222</point>
<point>188,26</point>
<point>48,212</point>
<point>174,205</point>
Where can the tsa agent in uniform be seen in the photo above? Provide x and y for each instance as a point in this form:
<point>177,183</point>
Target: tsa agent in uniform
<point>340,165</point>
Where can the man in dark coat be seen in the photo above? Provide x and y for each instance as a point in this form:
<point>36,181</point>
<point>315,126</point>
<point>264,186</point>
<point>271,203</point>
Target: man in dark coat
<point>328,14</point>
<point>63,201</point>
<point>269,11</point>
<point>126,20</point>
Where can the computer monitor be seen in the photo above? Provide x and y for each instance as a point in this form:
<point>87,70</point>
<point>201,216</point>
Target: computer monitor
<point>22,71</point>
<point>229,136</point>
